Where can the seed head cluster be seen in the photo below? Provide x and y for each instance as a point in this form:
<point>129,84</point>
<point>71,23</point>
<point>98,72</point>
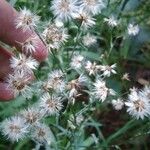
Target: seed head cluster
<point>69,75</point>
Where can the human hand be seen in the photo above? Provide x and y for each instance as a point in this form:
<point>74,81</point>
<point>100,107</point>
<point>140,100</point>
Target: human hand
<point>12,36</point>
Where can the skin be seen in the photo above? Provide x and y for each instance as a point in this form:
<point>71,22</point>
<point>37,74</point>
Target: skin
<point>11,36</point>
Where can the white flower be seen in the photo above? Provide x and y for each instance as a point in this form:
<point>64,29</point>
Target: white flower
<point>18,83</point>
<point>133,29</point>
<point>125,77</point>
<point>89,40</point>
<point>92,6</point>
<point>92,68</point>
<point>64,9</point>
<point>54,85</point>
<point>117,104</point>
<point>14,128</point>
<point>108,70</point>
<point>55,81</point>
<point>85,18</point>
<point>138,105</point>
<point>56,74</point>
<point>111,21</point>
<point>26,20</point>
<point>42,134</point>
<point>31,115</point>
<point>51,104</point>
<point>96,139</point>
<point>75,85</point>
<point>23,63</point>
<point>55,36</point>
<point>101,91</point>
<point>30,45</point>
<point>77,61</point>
<point>75,121</point>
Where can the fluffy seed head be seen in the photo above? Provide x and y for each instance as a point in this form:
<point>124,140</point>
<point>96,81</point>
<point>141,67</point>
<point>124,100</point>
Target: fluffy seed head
<point>14,128</point>
<point>133,29</point>
<point>75,85</point>
<point>31,115</point>
<point>24,64</point>
<point>138,105</point>
<point>92,68</point>
<point>108,70</point>
<point>117,104</point>
<point>26,20</point>
<point>77,61</point>
<point>42,134</point>
<point>111,21</point>
<point>92,6</point>
<point>101,91</point>
<point>51,104</point>
<point>64,9</point>
<point>85,19</point>
<point>30,45</point>
<point>18,83</point>
<point>55,36</point>
<point>55,82</point>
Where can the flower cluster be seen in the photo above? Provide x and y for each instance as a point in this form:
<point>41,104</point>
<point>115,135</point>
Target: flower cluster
<point>69,75</point>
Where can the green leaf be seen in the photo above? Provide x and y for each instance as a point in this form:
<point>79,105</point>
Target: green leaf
<point>126,46</point>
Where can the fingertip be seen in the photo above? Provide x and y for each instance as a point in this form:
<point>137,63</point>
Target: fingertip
<point>41,52</point>
<point>14,36</point>
<point>6,94</point>
<point>5,56</point>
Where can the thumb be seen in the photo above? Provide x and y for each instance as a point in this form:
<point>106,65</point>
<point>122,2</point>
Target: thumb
<point>5,93</point>
<point>13,36</point>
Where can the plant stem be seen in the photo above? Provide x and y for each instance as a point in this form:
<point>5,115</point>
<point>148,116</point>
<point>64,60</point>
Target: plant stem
<point>122,8</point>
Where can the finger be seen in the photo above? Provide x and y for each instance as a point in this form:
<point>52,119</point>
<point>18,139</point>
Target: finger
<point>12,36</point>
<point>5,93</point>
<point>5,63</point>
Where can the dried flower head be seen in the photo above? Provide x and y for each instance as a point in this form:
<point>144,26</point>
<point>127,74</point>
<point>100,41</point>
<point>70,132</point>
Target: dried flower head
<point>125,77</point>
<point>133,29</point>
<point>64,9</point>
<point>31,115</point>
<point>117,104</point>
<point>101,92</point>
<point>92,6</point>
<point>108,70</point>
<point>23,63</point>
<point>77,61</point>
<point>85,19</point>
<point>111,21</point>
<point>51,104</point>
<point>14,128</point>
<point>138,105</point>
<point>55,82</point>
<point>30,45</point>
<point>55,36</point>
<point>92,68</point>
<point>26,20</point>
<point>42,134</point>
<point>18,83</point>
<point>75,85</point>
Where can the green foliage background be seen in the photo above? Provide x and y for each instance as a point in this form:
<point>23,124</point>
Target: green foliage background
<point>131,55</point>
